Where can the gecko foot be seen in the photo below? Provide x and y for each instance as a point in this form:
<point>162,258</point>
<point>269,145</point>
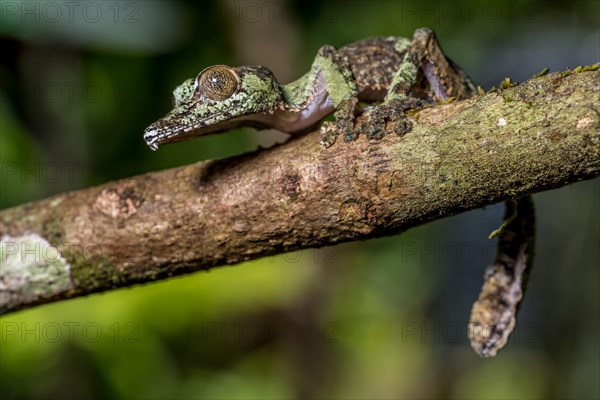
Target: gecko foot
<point>377,117</point>
<point>330,130</point>
<point>374,125</point>
<point>343,125</point>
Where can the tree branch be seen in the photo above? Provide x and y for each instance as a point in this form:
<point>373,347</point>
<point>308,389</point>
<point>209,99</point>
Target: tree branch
<point>540,135</point>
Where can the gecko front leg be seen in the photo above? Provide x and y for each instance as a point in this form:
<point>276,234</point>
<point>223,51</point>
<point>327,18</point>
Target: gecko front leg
<point>335,77</point>
<point>328,87</point>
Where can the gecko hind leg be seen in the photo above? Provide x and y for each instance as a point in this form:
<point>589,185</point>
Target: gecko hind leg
<point>423,57</point>
<point>397,99</point>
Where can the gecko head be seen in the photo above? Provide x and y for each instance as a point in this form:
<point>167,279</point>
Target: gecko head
<point>219,98</point>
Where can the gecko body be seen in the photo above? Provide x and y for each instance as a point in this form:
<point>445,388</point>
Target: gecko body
<point>393,73</point>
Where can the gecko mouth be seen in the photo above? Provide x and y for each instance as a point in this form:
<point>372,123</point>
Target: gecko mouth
<point>156,134</point>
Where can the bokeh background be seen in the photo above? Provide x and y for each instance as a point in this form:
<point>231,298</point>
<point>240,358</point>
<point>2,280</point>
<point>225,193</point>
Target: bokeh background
<point>387,318</point>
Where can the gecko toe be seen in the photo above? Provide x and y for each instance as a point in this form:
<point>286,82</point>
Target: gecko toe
<point>350,135</point>
<point>402,126</point>
<point>374,132</point>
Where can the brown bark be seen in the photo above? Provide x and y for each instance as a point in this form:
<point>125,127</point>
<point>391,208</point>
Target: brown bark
<point>540,135</point>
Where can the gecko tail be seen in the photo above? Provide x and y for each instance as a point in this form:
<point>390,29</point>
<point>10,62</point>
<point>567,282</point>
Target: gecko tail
<point>493,316</point>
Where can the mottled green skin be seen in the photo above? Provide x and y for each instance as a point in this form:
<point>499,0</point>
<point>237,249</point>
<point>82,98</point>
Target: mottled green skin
<point>257,91</point>
<point>337,77</point>
<point>183,93</point>
<point>399,73</point>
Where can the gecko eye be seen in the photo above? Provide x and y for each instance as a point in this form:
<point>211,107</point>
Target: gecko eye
<point>218,82</point>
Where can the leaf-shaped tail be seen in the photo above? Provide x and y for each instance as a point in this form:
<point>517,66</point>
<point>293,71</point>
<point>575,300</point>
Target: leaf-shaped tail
<point>493,316</point>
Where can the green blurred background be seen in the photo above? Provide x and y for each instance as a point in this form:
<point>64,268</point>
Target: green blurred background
<point>79,82</point>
